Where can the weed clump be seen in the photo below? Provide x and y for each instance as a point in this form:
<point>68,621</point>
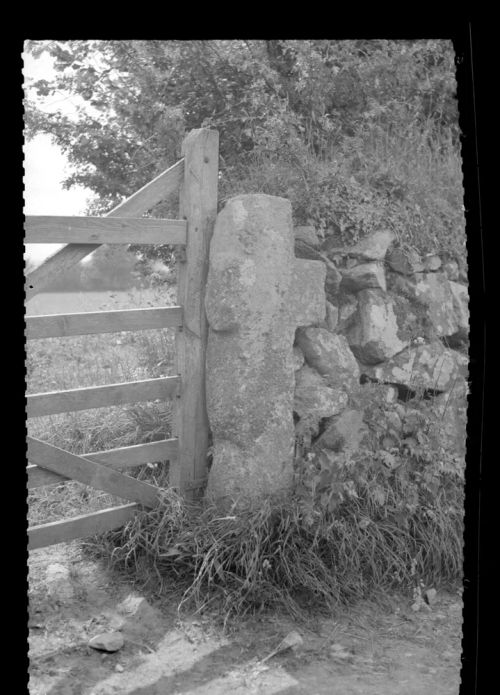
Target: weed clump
<point>295,554</point>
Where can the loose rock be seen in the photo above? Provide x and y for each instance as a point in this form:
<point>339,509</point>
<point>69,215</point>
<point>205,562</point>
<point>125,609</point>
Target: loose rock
<point>348,306</point>
<point>314,399</point>
<point>405,263</point>
<point>362,277</point>
<point>333,280</point>
<point>374,337</point>
<point>430,596</point>
<point>422,367</point>
<point>330,355</point>
<point>307,294</point>
<point>445,302</point>
<point>308,234</point>
<point>432,263</point>
<point>450,268</point>
<point>107,642</point>
<point>332,317</point>
<point>373,247</point>
<point>293,640</point>
<point>345,432</point>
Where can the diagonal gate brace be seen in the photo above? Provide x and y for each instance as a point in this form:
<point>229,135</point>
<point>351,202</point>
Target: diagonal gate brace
<point>91,473</point>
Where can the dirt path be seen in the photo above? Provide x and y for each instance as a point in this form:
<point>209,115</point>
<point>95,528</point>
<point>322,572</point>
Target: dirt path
<point>365,651</point>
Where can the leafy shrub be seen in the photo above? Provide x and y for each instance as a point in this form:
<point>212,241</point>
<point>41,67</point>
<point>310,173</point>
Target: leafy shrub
<point>360,135</point>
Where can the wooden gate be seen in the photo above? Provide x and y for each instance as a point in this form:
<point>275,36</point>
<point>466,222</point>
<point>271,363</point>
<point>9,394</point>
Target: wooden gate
<point>195,176</point>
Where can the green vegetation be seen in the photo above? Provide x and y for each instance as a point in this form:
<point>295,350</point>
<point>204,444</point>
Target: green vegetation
<point>359,135</point>
<point>388,517</point>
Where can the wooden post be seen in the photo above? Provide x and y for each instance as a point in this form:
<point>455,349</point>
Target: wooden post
<point>198,205</point>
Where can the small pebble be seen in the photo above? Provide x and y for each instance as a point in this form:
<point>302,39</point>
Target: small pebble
<point>337,648</point>
<point>119,668</point>
<point>430,595</point>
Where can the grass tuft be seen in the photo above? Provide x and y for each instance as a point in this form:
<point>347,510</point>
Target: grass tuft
<point>276,554</point>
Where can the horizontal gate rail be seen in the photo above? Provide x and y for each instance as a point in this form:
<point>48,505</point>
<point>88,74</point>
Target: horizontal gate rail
<point>91,473</point>
<point>86,323</point>
<point>55,229</point>
<point>139,203</point>
<point>80,526</point>
<point>41,404</point>
<point>195,178</point>
<point>119,459</point>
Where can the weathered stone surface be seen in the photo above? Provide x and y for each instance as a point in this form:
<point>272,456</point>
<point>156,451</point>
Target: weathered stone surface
<point>307,299</point>
<point>374,337</point>
<point>314,399</point>
<point>446,302</point>
<point>389,394</point>
<point>252,304</point>
<point>362,277</point>
<point>348,306</point>
<point>450,268</point>
<point>307,234</point>
<point>58,583</point>
<point>346,432</point>
<point>373,247</point>
<point>333,280</point>
<point>460,296</point>
<point>405,263</point>
<point>432,263</point>
<point>330,355</point>
<point>332,317</point>
<point>333,275</point>
<point>424,367</point>
<point>107,642</point>
<point>298,358</point>
<point>430,596</point>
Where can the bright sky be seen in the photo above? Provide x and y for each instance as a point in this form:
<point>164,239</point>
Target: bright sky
<point>46,166</point>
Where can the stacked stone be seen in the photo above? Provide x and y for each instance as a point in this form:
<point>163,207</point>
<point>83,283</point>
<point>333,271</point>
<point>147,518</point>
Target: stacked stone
<point>402,318</point>
<point>297,336</point>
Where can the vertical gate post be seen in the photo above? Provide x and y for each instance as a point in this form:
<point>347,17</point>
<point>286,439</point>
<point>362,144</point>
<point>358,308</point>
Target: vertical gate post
<point>198,205</point>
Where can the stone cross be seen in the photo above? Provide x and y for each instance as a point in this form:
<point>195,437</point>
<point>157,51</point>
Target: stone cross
<point>257,294</point>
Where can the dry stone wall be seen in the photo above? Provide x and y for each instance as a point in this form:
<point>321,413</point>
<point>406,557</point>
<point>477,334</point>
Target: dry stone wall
<point>298,326</point>
<point>405,320</point>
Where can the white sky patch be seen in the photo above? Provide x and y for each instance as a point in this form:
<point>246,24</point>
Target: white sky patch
<point>46,166</point>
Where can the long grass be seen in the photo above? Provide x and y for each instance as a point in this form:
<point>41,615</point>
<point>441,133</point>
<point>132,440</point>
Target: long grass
<point>272,554</point>
<point>406,178</point>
